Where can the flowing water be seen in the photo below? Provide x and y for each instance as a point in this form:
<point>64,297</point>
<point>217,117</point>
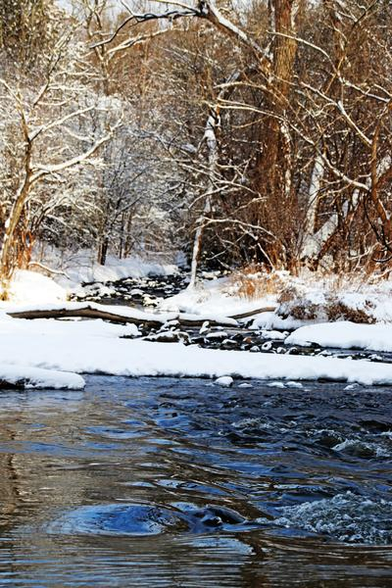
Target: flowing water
<point>180,483</point>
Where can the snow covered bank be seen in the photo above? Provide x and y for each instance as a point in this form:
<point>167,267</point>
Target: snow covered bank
<point>81,345</point>
<point>117,269</point>
<point>325,301</point>
<point>75,268</point>
<point>70,331</point>
<point>214,297</point>
<point>33,377</point>
<point>298,301</point>
<point>271,321</point>
<point>345,335</point>
<point>33,288</point>
<point>83,349</point>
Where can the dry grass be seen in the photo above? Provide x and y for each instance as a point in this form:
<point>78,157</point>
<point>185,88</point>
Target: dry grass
<point>295,304</point>
<point>254,282</point>
<point>329,307</point>
<point>339,310</point>
<point>313,296</point>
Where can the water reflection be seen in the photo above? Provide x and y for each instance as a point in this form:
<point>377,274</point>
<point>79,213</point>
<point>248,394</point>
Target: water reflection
<point>212,472</point>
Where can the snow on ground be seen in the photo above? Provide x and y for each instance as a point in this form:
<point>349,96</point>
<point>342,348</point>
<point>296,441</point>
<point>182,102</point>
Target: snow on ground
<point>307,298</point>
<point>298,301</point>
<point>34,288</point>
<point>323,300</point>
<point>271,321</point>
<point>34,377</point>
<point>117,269</point>
<point>76,268</point>
<point>214,297</point>
<point>49,347</point>
<point>377,302</point>
<point>69,330</point>
<point>345,335</point>
<point>94,346</point>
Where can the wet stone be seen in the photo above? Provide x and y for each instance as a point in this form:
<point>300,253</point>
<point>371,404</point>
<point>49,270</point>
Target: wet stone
<point>230,344</point>
<point>144,519</point>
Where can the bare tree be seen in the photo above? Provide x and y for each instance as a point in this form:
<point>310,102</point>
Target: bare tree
<point>50,142</point>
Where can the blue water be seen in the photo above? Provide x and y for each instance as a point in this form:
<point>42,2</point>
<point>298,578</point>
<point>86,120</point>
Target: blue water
<point>179,483</point>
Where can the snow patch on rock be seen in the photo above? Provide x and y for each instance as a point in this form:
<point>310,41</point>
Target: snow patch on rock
<point>33,377</point>
<point>344,335</point>
<point>224,381</point>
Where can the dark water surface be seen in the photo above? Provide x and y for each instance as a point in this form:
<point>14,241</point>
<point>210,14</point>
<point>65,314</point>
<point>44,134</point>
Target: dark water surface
<point>179,483</point>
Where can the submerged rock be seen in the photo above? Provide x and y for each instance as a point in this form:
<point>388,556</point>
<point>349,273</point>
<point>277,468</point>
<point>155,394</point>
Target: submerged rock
<point>145,519</point>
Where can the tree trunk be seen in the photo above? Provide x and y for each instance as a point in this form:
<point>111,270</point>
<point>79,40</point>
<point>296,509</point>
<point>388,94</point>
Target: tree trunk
<point>273,175</point>
<point>211,138</point>
<point>7,260</point>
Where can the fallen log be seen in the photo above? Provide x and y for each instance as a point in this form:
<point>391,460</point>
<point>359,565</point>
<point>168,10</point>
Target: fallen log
<point>90,312</point>
<point>251,313</point>
<point>87,312</point>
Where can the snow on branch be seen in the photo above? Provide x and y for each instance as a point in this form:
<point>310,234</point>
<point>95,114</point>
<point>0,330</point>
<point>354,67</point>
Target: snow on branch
<point>44,170</point>
<point>206,10</point>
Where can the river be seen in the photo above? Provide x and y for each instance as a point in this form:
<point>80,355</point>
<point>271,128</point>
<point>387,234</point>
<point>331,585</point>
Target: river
<point>179,483</point>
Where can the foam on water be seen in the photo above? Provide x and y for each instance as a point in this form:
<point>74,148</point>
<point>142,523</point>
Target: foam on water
<point>347,517</point>
<point>358,448</point>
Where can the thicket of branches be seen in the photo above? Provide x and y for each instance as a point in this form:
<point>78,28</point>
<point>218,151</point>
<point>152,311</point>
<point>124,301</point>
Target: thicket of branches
<point>252,134</point>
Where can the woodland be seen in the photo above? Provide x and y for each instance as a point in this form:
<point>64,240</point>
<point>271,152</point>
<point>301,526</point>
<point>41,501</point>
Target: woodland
<point>238,132</point>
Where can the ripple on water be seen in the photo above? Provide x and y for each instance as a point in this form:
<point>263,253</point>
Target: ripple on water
<point>358,448</point>
<point>348,517</point>
<point>146,519</point>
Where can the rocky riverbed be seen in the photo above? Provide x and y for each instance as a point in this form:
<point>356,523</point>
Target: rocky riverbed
<point>149,292</point>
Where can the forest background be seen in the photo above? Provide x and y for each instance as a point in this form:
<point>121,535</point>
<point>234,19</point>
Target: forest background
<point>238,132</point>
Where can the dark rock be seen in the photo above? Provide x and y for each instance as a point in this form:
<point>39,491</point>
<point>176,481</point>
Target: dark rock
<point>230,344</point>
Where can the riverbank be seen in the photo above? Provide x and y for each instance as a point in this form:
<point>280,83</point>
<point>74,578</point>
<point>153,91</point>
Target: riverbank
<point>191,333</point>
<point>94,346</point>
<point>239,326</point>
